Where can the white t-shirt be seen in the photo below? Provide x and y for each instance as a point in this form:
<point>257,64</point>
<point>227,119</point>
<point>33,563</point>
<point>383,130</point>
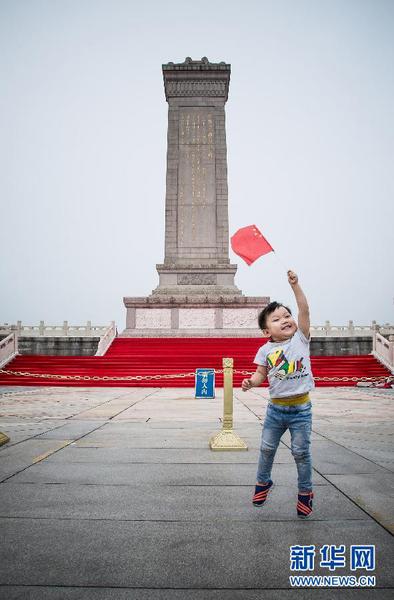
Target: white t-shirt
<point>289,366</point>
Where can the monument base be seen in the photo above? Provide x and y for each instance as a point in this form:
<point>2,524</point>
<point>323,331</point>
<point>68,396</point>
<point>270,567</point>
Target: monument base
<point>188,316</point>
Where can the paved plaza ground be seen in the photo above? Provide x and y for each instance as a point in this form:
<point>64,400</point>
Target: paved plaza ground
<point>113,493</point>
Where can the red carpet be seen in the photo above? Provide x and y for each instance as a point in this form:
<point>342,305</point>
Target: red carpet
<point>128,356</point>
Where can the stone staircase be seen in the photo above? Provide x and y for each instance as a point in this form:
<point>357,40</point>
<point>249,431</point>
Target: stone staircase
<point>153,356</point>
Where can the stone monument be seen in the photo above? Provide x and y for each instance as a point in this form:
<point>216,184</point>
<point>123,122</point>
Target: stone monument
<point>196,295</point>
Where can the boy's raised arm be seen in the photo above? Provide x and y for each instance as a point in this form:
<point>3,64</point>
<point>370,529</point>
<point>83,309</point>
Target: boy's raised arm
<point>303,309</point>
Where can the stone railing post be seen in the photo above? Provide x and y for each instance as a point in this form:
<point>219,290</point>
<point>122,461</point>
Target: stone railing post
<point>41,329</point>
<point>383,350</point>
<point>8,348</point>
<point>106,339</point>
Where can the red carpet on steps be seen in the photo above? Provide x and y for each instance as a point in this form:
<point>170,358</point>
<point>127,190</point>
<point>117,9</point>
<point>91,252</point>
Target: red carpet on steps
<point>148,356</point>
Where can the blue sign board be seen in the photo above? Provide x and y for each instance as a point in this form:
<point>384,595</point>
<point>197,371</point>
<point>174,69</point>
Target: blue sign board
<point>205,383</point>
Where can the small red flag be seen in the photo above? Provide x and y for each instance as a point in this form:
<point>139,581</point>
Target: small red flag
<point>249,243</point>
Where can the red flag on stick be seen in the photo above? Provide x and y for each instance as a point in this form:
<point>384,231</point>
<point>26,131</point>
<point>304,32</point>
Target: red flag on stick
<point>249,243</point>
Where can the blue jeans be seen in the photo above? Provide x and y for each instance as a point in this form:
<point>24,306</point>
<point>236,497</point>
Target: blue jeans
<point>298,419</point>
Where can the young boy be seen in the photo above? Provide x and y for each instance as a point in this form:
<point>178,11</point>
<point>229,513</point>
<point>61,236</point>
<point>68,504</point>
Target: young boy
<point>285,360</point>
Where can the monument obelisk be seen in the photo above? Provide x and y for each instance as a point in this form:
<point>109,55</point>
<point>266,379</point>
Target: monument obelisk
<point>196,294</point>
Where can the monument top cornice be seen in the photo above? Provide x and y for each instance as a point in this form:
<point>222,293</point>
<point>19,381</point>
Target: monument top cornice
<point>196,79</point>
<point>196,65</point>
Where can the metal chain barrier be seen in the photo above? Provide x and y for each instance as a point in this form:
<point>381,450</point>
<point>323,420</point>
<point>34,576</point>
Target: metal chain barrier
<point>98,377</point>
<point>381,378</point>
<point>157,377</point>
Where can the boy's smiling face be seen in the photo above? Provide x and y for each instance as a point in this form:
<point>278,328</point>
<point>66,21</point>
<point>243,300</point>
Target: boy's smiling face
<point>280,325</point>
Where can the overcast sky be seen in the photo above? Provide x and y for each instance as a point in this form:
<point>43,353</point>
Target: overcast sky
<point>83,121</point>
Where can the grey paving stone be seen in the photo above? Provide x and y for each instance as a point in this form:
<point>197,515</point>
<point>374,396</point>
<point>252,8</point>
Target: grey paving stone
<point>146,437</point>
<point>374,493</point>
<point>184,440</point>
<point>159,427</point>
<point>173,555</point>
<point>387,464</point>
<point>383,457</point>
<point>16,389</point>
<point>75,454</point>
<point>145,442</point>
<point>24,429</point>
<point>105,593</point>
<point>132,475</point>
<point>203,535</point>
<point>174,427</point>
<point>331,458</point>
<point>204,426</point>
<point>72,430</point>
<point>16,458</point>
<point>56,403</point>
<point>181,503</point>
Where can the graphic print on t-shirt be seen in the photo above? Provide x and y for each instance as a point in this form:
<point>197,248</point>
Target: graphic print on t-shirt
<point>284,368</point>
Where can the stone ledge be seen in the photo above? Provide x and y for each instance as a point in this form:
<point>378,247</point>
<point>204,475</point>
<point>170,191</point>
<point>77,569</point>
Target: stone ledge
<point>58,346</point>
<point>196,302</point>
<point>190,333</point>
<point>193,267</point>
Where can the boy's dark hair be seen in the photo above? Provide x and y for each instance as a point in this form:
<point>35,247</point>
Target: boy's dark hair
<point>262,318</point>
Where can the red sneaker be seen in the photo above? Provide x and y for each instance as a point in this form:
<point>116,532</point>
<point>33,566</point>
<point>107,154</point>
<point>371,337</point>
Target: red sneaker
<point>261,493</point>
<point>304,505</point>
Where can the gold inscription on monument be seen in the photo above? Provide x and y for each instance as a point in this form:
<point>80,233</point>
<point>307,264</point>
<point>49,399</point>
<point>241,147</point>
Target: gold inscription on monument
<point>196,179</point>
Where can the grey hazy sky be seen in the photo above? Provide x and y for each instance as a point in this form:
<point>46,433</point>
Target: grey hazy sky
<point>83,120</point>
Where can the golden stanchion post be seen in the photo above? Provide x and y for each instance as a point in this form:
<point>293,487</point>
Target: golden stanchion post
<point>227,439</point>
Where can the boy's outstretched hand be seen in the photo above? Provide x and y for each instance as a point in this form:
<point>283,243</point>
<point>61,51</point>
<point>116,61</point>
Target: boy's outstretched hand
<point>246,385</point>
<point>292,278</point>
